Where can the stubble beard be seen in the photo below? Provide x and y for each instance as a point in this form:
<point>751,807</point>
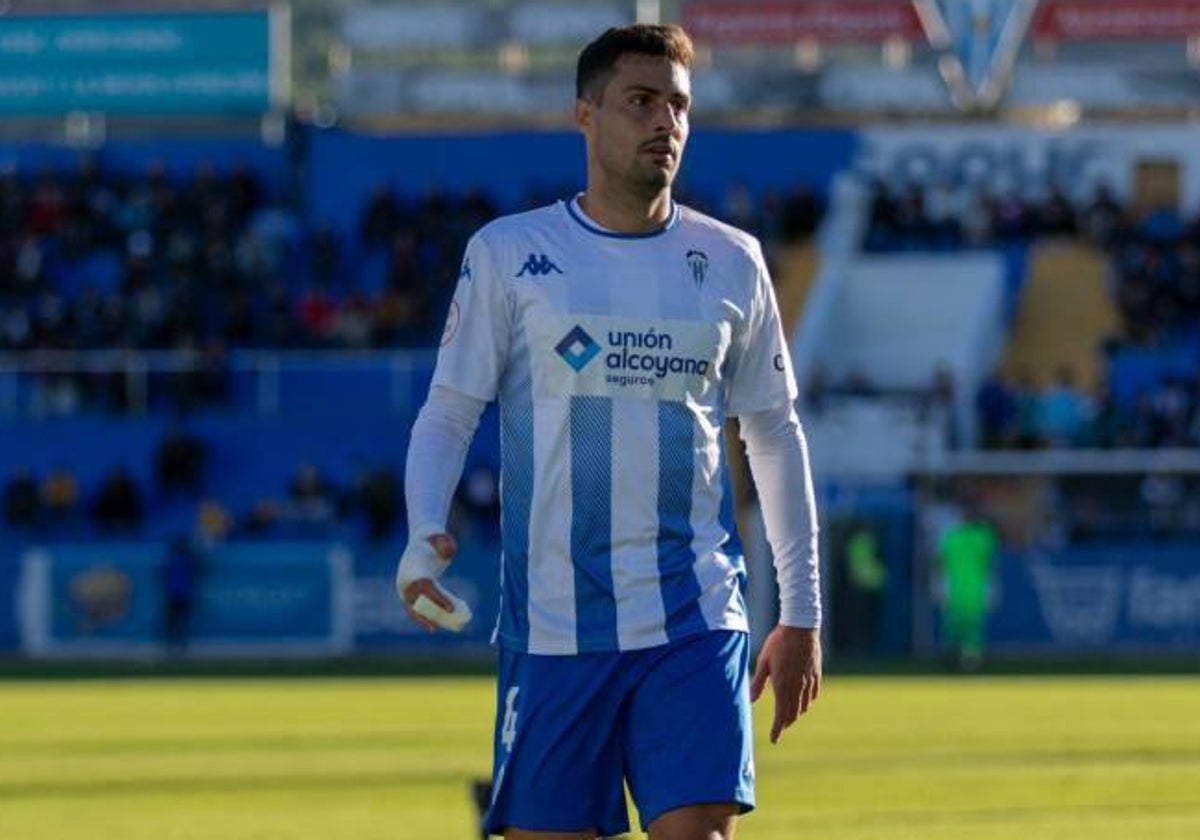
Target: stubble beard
<point>637,178</point>
<point>648,182</point>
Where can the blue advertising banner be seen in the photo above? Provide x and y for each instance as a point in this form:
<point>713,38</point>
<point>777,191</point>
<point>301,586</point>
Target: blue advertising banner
<point>9,577</point>
<point>280,592</point>
<point>1135,596</point>
<point>120,598</point>
<point>141,62</point>
<point>109,593</point>
<point>113,599</point>
<point>380,623</point>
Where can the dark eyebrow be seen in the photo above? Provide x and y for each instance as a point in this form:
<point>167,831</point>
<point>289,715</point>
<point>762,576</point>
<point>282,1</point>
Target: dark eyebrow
<point>642,89</point>
<point>636,88</point>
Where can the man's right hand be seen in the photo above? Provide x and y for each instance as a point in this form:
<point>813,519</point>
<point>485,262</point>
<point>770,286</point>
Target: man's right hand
<point>444,548</point>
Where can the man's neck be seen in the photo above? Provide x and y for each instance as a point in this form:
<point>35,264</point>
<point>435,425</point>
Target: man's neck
<point>621,212</point>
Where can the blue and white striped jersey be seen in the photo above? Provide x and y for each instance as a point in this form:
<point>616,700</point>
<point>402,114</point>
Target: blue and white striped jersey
<point>616,359</point>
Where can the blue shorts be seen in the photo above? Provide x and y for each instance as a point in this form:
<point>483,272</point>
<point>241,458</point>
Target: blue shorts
<point>671,721</point>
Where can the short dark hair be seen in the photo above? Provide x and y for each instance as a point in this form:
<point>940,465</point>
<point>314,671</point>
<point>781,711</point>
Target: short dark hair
<point>598,61</point>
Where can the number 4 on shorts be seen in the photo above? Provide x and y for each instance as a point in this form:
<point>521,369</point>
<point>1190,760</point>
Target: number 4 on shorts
<point>508,731</point>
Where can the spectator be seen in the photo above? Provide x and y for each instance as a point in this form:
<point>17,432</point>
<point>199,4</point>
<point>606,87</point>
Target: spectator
<point>275,232</point>
<point>263,518</point>
<point>1162,225</point>
<point>1027,399</point>
<point>380,219</point>
<point>772,225</point>
<point>1010,216</point>
<point>352,323</point>
<point>397,320</point>
<point>118,505</point>
<point>1103,217</point>
<point>911,215</point>
<point>60,497</point>
<point>997,407</point>
<point>377,494</point>
<point>326,257</point>
<point>1057,215</point>
<point>479,496</point>
<point>1172,406</point>
<point>28,268</point>
<point>21,505</point>
<point>944,210</point>
<point>1111,424</point>
<point>245,195</point>
<point>213,379</point>
<point>316,315</point>
<point>180,461</point>
<point>214,524</point>
<point>976,218</point>
<point>885,214</point>
<point>404,270</point>
<point>311,495</point>
<point>801,214</point>
<point>477,209</point>
<point>181,573</point>
<point>1062,411</point>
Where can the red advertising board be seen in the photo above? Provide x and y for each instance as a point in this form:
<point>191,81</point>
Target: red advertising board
<point>781,22</point>
<point>1088,20</point>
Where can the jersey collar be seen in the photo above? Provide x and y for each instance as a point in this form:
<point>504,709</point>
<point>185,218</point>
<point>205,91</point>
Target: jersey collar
<point>576,213</point>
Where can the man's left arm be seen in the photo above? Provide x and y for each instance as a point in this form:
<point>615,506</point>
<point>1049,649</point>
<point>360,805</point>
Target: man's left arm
<point>791,656</point>
<point>760,391</point>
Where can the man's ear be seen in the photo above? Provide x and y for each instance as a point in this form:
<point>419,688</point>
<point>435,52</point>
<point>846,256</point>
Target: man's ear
<point>584,111</point>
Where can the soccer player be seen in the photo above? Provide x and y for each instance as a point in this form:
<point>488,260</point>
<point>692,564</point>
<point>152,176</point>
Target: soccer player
<point>618,330</point>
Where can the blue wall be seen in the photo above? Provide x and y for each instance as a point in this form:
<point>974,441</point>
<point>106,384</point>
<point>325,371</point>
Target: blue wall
<point>343,169</point>
<point>1134,372</point>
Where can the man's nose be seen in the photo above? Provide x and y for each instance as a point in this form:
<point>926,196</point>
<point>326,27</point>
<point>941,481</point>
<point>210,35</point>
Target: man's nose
<point>669,119</point>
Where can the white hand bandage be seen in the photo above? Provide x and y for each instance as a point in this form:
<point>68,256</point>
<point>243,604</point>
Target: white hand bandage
<point>420,561</point>
<point>453,621</point>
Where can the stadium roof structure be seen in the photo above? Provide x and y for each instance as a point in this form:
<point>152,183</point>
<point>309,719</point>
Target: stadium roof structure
<point>778,60</point>
<point>492,63</point>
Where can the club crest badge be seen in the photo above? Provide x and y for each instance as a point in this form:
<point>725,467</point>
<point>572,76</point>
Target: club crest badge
<point>698,262</point>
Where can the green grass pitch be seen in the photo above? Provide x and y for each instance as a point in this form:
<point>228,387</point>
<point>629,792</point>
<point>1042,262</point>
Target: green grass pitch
<point>373,758</point>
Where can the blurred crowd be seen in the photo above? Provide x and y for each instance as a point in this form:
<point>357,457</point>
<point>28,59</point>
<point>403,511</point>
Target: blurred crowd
<point>946,216</point>
<point>1020,415</point>
<point>96,259</point>
<point>313,504</point>
<point>1154,280</point>
<point>99,260</point>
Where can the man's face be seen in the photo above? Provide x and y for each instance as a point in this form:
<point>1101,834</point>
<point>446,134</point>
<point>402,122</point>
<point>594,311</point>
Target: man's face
<point>637,130</point>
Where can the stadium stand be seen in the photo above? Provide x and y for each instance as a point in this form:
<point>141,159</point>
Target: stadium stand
<point>1125,373</point>
<point>142,297</point>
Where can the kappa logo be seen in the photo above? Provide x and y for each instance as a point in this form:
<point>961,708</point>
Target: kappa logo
<point>577,348</point>
<point>465,272</point>
<point>538,264</point>
<point>698,262</point>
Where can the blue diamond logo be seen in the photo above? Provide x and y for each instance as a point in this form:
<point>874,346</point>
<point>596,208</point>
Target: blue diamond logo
<point>577,348</point>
